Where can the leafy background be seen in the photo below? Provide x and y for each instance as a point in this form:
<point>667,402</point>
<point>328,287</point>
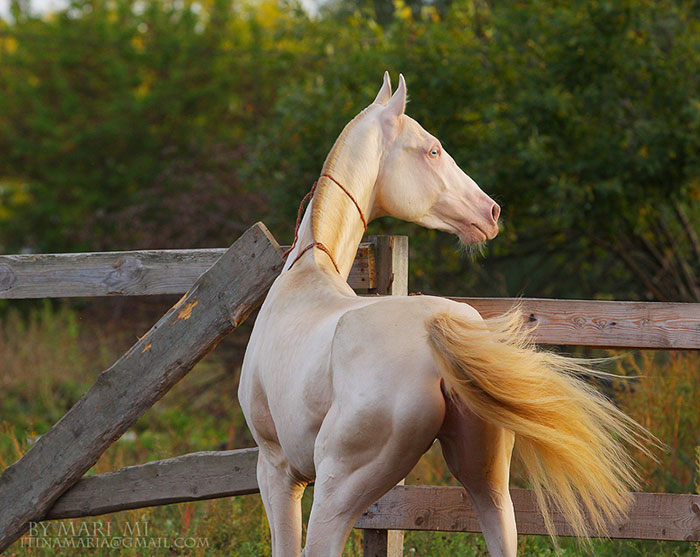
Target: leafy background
<point>135,124</point>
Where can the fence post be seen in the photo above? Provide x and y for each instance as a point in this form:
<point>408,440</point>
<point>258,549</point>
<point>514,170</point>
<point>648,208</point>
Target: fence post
<point>391,265</point>
<point>391,268</point>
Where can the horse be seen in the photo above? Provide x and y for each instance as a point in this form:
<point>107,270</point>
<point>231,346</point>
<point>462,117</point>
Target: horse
<point>349,391</point>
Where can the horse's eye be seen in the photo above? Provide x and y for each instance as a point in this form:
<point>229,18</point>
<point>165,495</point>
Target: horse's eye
<point>434,152</point>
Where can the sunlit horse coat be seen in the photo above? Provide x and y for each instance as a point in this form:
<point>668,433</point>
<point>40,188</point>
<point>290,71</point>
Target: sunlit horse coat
<point>350,391</point>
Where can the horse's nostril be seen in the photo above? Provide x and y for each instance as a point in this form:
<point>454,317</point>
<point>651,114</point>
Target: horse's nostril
<point>495,212</point>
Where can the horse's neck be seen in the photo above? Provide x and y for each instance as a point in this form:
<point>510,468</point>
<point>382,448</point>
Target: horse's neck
<point>332,217</point>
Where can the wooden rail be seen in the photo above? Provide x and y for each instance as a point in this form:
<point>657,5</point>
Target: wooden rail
<point>653,516</point>
<point>598,323</point>
<point>128,273</point>
<point>190,477</point>
<point>208,475</point>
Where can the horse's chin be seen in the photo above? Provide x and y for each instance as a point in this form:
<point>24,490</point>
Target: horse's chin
<point>472,250</point>
<point>472,235</point>
<point>472,243</point>
<point>469,233</point>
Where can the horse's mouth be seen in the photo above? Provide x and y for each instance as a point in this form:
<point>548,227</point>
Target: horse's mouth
<point>467,232</point>
<point>471,234</point>
<point>480,232</point>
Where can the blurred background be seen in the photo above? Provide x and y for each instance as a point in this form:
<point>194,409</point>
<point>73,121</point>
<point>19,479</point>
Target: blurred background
<point>135,124</point>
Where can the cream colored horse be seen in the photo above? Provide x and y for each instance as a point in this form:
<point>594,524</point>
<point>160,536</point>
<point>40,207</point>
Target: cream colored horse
<point>349,392</point>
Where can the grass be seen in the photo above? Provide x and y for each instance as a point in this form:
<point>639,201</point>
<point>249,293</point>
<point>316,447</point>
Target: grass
<point>50,357</point>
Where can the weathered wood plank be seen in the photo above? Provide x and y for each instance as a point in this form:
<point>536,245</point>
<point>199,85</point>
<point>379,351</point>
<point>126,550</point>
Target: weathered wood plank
<point>190,477</point>
<point>600,323</point>
<point>209,475</point>
<point>391,265</point>
<point>654,516</point>
<point>127,273</point>
<point>217,303</point>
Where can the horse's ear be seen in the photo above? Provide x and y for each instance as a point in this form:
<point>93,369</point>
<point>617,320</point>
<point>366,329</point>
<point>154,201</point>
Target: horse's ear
<point>396,106</point>
<point>385,92</point>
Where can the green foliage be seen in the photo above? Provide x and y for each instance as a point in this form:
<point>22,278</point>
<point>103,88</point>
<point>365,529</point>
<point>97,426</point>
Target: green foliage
<point>595,136</point>
<point>163,123</point>
<point>98,101</point>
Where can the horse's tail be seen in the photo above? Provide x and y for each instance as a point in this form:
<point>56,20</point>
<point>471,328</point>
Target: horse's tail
<point>568,436</point>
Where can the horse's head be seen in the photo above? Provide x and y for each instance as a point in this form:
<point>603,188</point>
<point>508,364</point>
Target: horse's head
<point>420,182</point>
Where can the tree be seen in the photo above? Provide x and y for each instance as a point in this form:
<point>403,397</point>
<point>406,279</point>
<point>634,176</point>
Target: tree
<point>99,101</point>
<point>582,120</point>
<point>595,137</point>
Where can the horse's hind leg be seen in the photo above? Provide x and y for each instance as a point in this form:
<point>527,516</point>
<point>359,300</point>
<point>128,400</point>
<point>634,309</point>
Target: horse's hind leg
<point>341,496</point>
<point>478,454</point>
<point>281,495</point>
<point>358,461</point>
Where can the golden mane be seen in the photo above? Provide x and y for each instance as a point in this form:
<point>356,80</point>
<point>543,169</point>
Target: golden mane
<point>329,202</point>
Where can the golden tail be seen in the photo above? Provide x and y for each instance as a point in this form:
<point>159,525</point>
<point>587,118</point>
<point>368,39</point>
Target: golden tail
<point>568,436</point>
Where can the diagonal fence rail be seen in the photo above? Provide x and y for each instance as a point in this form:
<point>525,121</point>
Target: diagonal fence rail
<point>216,304</point>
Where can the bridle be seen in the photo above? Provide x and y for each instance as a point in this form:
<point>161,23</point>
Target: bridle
<point>320,245</point>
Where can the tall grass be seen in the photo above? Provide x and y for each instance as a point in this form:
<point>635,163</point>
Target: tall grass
<point>665,399</point>
<point>50,357</point>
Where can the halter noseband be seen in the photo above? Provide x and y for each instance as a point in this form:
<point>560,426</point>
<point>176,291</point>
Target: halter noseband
<point>320,245</point>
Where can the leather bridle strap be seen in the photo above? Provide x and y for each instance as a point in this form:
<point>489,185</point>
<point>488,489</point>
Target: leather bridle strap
<point>320,245</point>
<point>362,216</point>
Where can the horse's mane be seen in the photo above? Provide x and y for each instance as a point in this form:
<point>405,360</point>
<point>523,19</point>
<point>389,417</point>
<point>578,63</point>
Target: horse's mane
<point>328,208</point>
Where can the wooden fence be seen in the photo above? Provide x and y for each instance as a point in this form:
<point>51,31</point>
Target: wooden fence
<point>381,267</point>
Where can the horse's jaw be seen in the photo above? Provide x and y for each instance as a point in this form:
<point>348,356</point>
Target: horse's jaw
<point>472,218</point>
<point>468,233</point>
